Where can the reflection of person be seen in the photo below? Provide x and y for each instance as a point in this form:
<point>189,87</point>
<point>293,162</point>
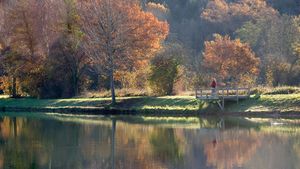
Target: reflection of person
<point>213,86</point>
<point>214,142</point>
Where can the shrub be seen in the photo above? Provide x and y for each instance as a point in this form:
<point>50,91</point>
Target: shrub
<point>165,69</point>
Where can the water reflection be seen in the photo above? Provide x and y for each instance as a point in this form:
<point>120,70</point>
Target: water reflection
<point>54,142</point>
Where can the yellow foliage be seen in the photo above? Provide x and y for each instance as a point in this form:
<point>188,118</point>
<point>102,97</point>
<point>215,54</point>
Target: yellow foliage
<point>1,83</point>
<point>133,79</point>
<point>157,6</point>
<point>6,85</point>
<point>159,10</point>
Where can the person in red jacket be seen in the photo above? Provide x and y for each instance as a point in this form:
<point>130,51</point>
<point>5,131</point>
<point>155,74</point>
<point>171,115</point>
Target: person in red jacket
<point>213,83</point>
<point>213,86</point>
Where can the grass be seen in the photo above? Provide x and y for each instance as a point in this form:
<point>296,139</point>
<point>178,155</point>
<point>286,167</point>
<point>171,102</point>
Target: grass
<point>28,102</point>
<point>4,96</point>
<point>161,103</point>
<point>166,103</point>
<point>278,102</point>
<point>275,102</point>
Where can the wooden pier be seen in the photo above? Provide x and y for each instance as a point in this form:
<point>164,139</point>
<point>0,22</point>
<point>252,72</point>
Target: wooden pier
<point>220,95</point>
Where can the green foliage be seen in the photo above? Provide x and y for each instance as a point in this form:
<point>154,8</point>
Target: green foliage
<point>164,74</point>
<point>250,33</point>
<point>165,68</point>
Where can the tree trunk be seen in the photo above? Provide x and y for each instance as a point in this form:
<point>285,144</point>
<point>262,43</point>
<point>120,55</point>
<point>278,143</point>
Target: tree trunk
<point>113,137</point>
<point>291,78</point>
<point>14,87</point>
<point>75,85</point>
<point>15,127</point>
<point>112,87</point>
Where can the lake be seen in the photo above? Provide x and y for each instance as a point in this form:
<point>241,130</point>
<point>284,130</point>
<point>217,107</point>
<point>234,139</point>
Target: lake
<point>53,141</point>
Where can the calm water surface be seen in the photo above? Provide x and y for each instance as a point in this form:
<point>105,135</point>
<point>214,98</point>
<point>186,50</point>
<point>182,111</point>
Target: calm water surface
<point>93,142</point>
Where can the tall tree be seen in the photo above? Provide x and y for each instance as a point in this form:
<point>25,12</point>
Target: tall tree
<point>118,34</point>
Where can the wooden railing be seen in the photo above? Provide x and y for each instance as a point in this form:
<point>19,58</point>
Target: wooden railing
<point>226,93</point>
<point>222,94</point>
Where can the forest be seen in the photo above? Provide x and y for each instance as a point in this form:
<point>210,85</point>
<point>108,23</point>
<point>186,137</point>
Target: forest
<point>64,48</point>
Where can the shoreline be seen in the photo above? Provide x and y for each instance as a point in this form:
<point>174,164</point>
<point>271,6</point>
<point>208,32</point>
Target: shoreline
<point>149,112</point>
<point>273,106</point>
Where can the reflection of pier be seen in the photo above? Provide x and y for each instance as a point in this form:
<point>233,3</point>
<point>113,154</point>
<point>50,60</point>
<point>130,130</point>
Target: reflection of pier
<point>221,123</point>
<point>223,94</point>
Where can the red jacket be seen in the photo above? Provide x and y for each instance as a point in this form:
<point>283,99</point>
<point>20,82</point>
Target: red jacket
<point>213,84</point>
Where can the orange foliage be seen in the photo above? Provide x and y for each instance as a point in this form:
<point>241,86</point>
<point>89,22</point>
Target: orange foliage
<point>119,30</point>
<point>147,31</point>
<point>230,59</point>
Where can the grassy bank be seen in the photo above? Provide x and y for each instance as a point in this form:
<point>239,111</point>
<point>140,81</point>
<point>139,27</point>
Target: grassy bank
<point>137,103</point>
<point>263,103</point>
<point>276,102</point>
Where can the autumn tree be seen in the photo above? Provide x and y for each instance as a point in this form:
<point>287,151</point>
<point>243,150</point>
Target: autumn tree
<point>25,38</point>
<point>119,34</point>
<point>232,15</point>
<point>230,60</point>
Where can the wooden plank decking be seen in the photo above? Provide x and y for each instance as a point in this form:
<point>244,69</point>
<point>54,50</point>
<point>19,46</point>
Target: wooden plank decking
<point>223,94</point>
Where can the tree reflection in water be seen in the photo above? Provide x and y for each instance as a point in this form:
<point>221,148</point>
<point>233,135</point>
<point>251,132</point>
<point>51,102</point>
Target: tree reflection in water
<point>106,143</point>
<point>232,149</point>
<point>165,146</point>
